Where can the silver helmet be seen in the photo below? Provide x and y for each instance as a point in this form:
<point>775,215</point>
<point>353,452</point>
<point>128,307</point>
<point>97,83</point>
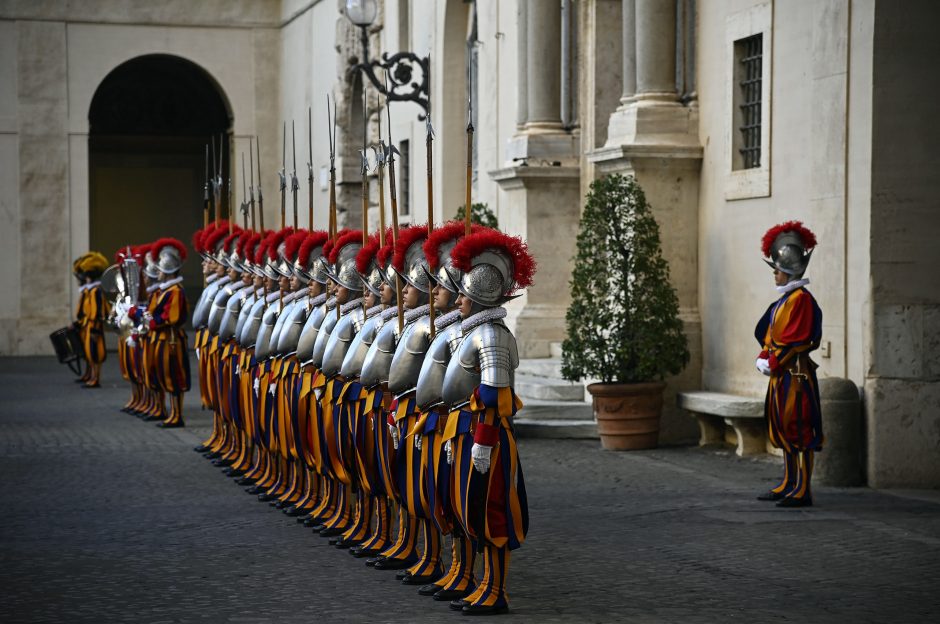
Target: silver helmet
<point>344,272</point>
<point>270,269</point>
<point>489,279</point>
<point>415,271</point>
<point>169,260</point>
<point>790,249</point>
<point>235,260</point>
<point>373,279</point>
<point>151,269</point>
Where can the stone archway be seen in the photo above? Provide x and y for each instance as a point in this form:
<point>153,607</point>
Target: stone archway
<point>150,120</point>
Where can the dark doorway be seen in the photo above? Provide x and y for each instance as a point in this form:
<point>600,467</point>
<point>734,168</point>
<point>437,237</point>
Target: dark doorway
<point>151,119</point>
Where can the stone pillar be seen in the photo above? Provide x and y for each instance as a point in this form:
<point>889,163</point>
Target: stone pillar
<point>543,66</point>
<point>654,138</point>
<point>522,75</point>
<point>629,51</point>
<point>656,50</point>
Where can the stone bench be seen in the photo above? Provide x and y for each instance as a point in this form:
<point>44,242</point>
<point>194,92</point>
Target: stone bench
<point>715,412</point>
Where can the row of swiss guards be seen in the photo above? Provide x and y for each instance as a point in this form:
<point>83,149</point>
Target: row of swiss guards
<point>342,396</point>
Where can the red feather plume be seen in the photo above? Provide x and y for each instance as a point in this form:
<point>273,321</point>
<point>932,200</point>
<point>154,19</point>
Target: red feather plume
<point>367,253</point>
<point>809,239</point>
<point>211,240</point>
<point>447,232</point>
<point>197,240</point>
<point>170,242</point>
<point>406,238</point>
<point>383,255</point>
<point>276,239</point>
<point>328,245</point>
<point>227,243</point>
<point>350,237</point>
<point>523,264</point>
<point>313,240</point>
<point>293,243</point>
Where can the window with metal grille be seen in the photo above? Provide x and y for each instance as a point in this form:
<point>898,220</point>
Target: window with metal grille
<point>748,54</point>
<point>404,206</point>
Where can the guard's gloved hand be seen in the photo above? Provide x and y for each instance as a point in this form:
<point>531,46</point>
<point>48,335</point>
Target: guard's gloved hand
<point>257,385</point>
<point>418,437</point>
<point>449,449</point>
<point>763,365</point>
<point>393,431</point>
<point>481,457</point>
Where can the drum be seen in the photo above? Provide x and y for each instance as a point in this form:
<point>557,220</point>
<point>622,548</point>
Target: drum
<point>68,348</point>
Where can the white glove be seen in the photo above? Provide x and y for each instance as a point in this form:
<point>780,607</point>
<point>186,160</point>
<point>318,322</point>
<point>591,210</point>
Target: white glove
<point>449,449</point>
<point>256,386</point>
<point>763,365</point>
<point>418,441</point>
<point>197,354</point>
<point>481,457</point>
<point>272,388</point>
<point>133,343</point>
<point>393,431</point>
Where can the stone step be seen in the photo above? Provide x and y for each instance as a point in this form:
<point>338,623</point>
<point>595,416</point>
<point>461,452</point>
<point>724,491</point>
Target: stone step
<point>555,419</point>
<point>548,388</point>
<point>540,367</point>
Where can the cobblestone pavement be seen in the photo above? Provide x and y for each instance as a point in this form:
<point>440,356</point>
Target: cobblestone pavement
<point>108,519</point>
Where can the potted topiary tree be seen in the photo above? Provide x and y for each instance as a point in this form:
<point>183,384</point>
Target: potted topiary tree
<point>623,322</point>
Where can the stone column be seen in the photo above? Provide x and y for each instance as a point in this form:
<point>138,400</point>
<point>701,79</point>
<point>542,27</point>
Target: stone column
<point>656,50</point>
<point>629,51</point>
<point>543,66</point>
<point>522,75</point>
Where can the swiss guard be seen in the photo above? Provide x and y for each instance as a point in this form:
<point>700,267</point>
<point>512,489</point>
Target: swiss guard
<point>789,330</point>
<point>91,314</point>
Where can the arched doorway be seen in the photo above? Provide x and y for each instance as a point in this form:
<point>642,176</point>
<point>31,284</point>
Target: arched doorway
<point>150,121</point>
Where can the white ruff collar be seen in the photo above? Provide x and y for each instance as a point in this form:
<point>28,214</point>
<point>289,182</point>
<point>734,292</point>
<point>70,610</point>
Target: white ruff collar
<point>272,296</point>
<point>389,312</point>
<point>170,282</point>
<point>791,286</point>
<point>152,288</point>
<point>416,313</point>
<point>351,305</point>
<point>447,320</point>
<point>85,287</point>
<point>480,318</point>
<point>374,310</point>
<point>211,278</point>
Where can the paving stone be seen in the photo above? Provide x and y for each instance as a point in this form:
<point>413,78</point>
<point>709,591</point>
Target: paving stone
<point>109,519</point>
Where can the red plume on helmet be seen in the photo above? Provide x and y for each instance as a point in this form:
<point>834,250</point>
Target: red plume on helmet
<point>369,251</point>
<point>350,236</point>
<point>328,245</point>
<point>523,264</point>
<point>197,240</point>
<point>276,239</point>
<point>406,238</point>
<point>227,243</point>
<point>313,240</point>
<point>213,238</point>
<point>293,243</point>
<point>808,238</point>
<point>384,254</point>
<point>263,246</point>
<point>447,232</point>
<point>170,242</point>
<point>248,244</point>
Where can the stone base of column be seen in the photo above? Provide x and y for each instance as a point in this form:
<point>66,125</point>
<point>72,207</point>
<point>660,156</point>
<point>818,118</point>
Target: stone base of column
<point>649,119</point>
<point>539,145</point>
<point>547,202</point>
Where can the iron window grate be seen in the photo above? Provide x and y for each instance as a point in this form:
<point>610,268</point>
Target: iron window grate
<point>750,90</point>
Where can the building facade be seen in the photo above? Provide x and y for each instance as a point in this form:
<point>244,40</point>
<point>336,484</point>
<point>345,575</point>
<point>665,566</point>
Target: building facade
<point>733,115</point>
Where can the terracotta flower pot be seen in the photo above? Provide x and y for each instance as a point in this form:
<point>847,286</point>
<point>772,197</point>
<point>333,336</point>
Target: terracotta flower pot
<point>628,414</point>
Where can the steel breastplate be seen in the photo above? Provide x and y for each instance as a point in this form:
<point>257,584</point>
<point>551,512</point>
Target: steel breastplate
<point>356,354</point>
<point>263,342</point>
<point>252,326</point>
<point>409,356</point>
<point>323,336</point>
<point>243,315</point>
<point>230,317</point>
<point>201,311</point>
<point>217,311</point>
<point>341,338</point>
<point>308,335</point>
<point>486,355</point>
<point>378,360</point>
<point>275,340</point>
<point>430,391</point>
<point>293,325</point>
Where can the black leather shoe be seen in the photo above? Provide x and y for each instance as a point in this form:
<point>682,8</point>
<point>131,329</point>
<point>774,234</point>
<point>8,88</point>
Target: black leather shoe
<point>481,610</point>
<point>429,590</point>
<point>770,495</point>
<point>89,386</point>
<point>265,497</point>
<point>420,579</point>
<point>222,463</point>
<point>452,595</point>
<point>458,605</point>
<point>359,552</point>
<point>293,510</point>
<point>254,489</point>
<point>401,574</point>
<point>343,543</point>
<point>177,425</point>
<point>372,561</point>
<point>245,481</point>
<point>213,455</point>
<point>153,418</point>
<point>395,564</point>
<point>312,523</point>
<point>332,531</point>
<point>806,501</point>
<point>200,448</point>
<point>233,472</point>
